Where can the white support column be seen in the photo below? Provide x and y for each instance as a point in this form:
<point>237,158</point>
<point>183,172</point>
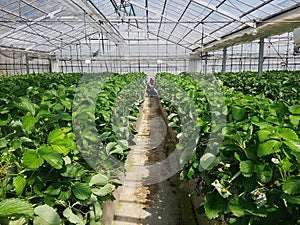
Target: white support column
<point>224,60</point>
<point>27,64</point>
<point>205,63</point>
<point>54,65</point>
<point>261,57</point>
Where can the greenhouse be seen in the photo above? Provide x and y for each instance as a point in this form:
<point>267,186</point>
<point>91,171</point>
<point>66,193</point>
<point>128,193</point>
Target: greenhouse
<point>130,112</point>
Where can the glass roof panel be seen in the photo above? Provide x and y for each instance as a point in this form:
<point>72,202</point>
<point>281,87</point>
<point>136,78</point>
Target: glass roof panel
<point>12,6</point>
<point>285,3</point>
<point>242,5</point>
<point>29,12</point>
<point>47,22</point>
<point>198,11</point>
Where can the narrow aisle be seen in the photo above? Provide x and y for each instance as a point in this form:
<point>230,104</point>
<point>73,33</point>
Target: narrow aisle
<point>163,203</point>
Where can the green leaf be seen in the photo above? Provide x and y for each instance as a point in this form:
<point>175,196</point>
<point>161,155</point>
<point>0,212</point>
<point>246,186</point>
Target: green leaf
<point>66,103</point>
<point>264,173</point>
<point>82,191</point>
<point>90,136</point>
<point>263,135</point>
<point>56,135</point>
<point>3,143</point>
<point>247,168</point>
<point>65,194</point>
<point>269,147</point>
<point>28,123</point>
<point>236,207</point>
<point>295,120</point>
<point>51,156</point>
<point>272,119</point>
<point>123,144</point>
<point>103,191</point>
<point>31,159</point>
<point>291,199</point>
<point>241,206</point>
<point>171,116</point>
<point>287,134</point>
<point>295,109</point>
<point>105,135</point>
<point>63,116</point>
<point>15,207</point>
<point>117,150</point>
<point>238,113</point>
<point>214,205</point>
<point>46,215</point>
<point>293,144</point>
<point>97,210</point>
<point>5,119</point>
<point>53,189</point>
<point>110,145</point>
<point>24,103</point>
<point>172,124</point>
<point>239,221</point>
<point>49,200</point>
<point>73,171</point>
<point>72,217</point>
<point>19,183</point>
<point>191,173</point>
<point>61,149</point>
<point>99,180</point>
<point>208,161</point>
<point>291,185</point>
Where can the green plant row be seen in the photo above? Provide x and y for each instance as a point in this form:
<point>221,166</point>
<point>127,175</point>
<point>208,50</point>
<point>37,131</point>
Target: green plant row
<point>44,178</point>
<point>276,85</point>
<point>254,178</point>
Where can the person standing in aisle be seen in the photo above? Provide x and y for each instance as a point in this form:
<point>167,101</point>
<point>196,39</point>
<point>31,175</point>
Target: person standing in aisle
<point>151,92</point>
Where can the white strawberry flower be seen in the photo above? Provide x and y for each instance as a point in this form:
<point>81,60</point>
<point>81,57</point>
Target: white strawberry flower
<point>275,160</point>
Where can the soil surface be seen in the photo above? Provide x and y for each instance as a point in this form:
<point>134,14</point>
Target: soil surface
<point>146,197</point>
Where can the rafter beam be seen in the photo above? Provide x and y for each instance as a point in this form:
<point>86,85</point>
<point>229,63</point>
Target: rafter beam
<point>276,24</point>
<point>187,6</point>
<point>174,20</point>
<point>22,50</point>
<point>161,37</point>
<point>72,42</point>
<point>202,20</point>
<point>21,40</point>
<point>30,32</point>
<point>161,18</point>
<point>30,23</point>
<point>147,15</point>
<point>113,2</point>
<point>74,38</point>
<point>27,21</point>
<point>257,7</point>
<point>223,12</point>
<point>94,15</point>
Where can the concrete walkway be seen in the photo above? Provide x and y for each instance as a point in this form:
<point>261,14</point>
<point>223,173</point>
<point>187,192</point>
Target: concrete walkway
<point>140,202</point>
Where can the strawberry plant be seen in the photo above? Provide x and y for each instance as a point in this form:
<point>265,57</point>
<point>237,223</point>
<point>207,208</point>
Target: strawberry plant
<point>254,178</point>
<point>276,85</point>
<point>43,177</point>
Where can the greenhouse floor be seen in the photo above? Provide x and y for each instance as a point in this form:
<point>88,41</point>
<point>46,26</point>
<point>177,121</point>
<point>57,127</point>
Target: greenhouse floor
<point>143,201</point>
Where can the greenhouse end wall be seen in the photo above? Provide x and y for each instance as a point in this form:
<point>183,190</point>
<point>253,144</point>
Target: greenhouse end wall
<point>16,63</point>
<point>152,56</point>
<point>279,54</point>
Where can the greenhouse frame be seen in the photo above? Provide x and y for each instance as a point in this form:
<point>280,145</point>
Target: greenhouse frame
<point>151,36</point>
<point>149,112</point>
